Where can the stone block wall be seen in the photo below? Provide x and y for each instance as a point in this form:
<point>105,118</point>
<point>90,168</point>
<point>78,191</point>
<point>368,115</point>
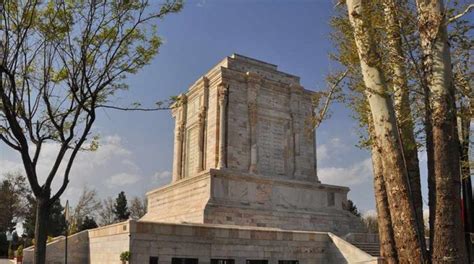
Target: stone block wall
<point>183,201</point>
<point>78,250</point>
<point>202,241</point>
<point>230,197</point>
<point>108,242</point>
<point>205,242</point>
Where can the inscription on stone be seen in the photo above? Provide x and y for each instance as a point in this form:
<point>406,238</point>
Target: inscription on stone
<point>271,146</point>
<point>273,100</point>
<point>193,109</point>
<point>191,151</point>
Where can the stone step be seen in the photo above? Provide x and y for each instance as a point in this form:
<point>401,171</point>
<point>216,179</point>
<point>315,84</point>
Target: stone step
<point>372,249</point>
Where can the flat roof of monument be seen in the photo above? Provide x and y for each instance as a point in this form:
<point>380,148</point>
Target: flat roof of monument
<point>227,61</point>
<point>252,60</point>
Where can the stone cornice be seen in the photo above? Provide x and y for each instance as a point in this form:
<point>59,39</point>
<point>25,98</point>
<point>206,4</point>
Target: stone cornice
<point>180,183</point>
<point>238,175</point>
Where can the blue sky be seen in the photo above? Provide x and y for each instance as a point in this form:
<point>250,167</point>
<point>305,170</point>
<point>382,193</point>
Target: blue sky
<point>136,147</point>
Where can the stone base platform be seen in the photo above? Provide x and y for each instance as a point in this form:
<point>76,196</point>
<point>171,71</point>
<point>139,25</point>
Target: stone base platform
<point>149,241</point>
<point>229,197</point>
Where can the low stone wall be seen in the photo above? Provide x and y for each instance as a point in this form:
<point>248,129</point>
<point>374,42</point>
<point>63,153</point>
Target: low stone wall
<point>204,242</point>
<point>108,242</point>
<point>77,248</point>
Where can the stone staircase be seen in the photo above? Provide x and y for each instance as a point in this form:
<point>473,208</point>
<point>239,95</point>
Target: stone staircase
<point>372,249</point>
<point>368,243</point>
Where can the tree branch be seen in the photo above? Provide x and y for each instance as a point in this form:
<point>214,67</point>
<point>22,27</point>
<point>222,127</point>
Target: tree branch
<point>467,10</point>
<point>322,113</point>
<point>134,108</point>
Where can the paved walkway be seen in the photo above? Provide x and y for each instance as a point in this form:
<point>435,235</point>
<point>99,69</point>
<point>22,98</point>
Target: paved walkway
<point>6,261</point>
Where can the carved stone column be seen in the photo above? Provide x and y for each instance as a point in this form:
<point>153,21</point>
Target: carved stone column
<point>315,157</point>
<point>179,113</point>
<point>223,92</point>
<point>295,91</point>
<point>253,85</point>
<point>202,124</point>
<point>202,127</point>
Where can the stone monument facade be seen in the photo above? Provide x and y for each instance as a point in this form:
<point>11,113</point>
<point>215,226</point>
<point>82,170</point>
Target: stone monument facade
<point>244,188</point>
<point>245,154</point>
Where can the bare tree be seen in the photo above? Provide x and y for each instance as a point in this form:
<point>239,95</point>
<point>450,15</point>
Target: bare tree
<point>106,213</point>
<point>60,62</point>
<point>87,206</point>
<point>138,207</point>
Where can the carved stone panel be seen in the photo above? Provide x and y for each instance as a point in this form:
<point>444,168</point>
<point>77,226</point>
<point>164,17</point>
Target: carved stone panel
<point>194,106</point>
<point>192,151</point>
<point>272,145</point>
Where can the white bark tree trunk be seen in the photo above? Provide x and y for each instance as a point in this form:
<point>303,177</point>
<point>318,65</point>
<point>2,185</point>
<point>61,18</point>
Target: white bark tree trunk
<point>387,138</point>
<point>402,106</point>
<point>448,238</point>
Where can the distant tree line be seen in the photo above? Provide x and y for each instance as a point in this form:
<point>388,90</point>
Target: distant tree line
<point>18,208</point>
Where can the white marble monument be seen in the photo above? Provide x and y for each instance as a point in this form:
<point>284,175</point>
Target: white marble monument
<point>244,154</point>
<point>244,188</point>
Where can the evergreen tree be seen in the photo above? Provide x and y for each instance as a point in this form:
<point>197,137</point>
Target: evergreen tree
<point>3,245</point>
<point>13,193</point>
<point>87,223</point>
<point>57,221</point>
<point>29,222</point>
<point>120,207</point>
<point>352,208</point>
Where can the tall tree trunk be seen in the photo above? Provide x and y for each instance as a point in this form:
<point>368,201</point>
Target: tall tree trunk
<point>448,237</point>
<point>430,166</point>
<point>387,138</point>
<point>403,110</point>
<point>388,250</point>
<point>41,229</point>
<point>464,125</point>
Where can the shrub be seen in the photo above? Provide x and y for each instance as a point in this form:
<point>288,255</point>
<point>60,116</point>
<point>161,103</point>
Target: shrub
<point>11,253</point>
<point>125,256</point>
<point>19,251</point>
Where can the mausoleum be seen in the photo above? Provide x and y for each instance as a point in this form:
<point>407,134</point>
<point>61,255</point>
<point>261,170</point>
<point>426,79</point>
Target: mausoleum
<point>244,187</point>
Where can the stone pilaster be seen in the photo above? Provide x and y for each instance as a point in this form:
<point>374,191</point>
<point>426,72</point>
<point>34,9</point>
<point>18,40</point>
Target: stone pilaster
<point>179,114</point>
<point>254,82</point>
<point>295,94</point>
<point>202,121</point>
<point>223,92</point>
<point>202,127</point>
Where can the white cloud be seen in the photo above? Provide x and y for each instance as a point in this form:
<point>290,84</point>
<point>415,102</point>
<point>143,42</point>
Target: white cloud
<point>360,172</point>
<point>201,3</point>
<point>371,212</point>
<point>112,165</point>
<point>122,179</point>
<point>332,149</point>
<point>162,175</point>
<point>322,152</point>
<point>7,166</point>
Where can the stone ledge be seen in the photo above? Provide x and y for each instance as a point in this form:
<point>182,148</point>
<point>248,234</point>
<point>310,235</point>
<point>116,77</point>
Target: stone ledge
<point>231,174</point>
